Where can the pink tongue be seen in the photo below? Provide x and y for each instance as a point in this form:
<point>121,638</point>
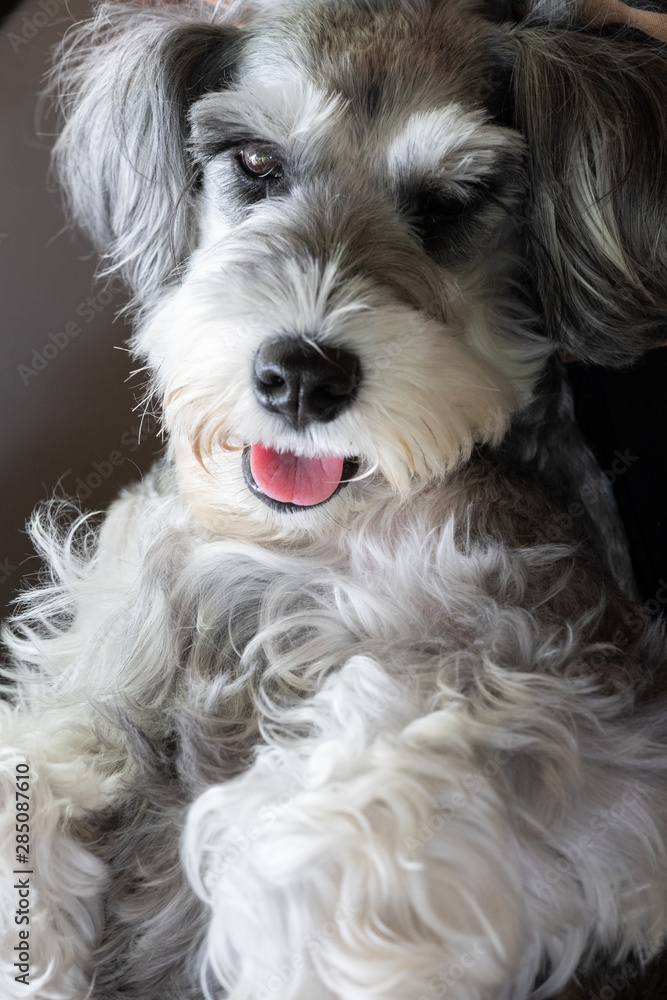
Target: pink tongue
<point>293,478</point>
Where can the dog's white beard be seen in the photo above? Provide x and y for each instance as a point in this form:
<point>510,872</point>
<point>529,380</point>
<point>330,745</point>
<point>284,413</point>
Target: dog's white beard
<point>430,390</point>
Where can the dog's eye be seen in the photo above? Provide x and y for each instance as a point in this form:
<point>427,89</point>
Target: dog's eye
<point>260,162</point>
<point>446,223</point>
<point>434,213</point>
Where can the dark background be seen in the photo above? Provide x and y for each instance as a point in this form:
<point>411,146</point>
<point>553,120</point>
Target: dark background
<point>65,421</point>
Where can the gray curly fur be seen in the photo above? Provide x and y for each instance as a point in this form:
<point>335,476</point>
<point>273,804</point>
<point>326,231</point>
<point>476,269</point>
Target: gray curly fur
<point>164,662</point>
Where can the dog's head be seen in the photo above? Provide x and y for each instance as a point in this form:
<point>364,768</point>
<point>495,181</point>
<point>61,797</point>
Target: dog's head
<point>356,229</point>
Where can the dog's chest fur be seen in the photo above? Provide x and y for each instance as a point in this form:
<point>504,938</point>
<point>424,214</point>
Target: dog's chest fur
<point>221,647</point>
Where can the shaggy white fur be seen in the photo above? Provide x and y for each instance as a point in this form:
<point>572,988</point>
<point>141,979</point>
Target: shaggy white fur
<point>349,699</point>
<point>444,798</point>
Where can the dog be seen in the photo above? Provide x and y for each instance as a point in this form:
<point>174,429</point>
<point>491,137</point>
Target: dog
<point>351,697</point>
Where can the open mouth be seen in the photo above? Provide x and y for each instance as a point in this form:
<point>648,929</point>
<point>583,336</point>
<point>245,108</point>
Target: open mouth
<point>289,482</point>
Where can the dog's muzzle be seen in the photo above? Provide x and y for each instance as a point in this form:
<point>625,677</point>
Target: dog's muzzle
<point>304,383</point>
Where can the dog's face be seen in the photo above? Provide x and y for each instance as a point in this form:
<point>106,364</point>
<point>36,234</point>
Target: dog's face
<point>335,217</point>
<point>345,328</point>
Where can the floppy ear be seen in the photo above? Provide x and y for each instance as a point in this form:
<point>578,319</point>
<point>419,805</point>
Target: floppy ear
<point>126,80</point>
<point>593,108</point>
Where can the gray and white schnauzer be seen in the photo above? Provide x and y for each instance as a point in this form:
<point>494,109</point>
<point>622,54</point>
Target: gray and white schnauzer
<point>350,699</point>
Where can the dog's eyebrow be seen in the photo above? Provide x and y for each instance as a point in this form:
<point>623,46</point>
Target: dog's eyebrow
<point>454,143</point>
<point>290,114</point>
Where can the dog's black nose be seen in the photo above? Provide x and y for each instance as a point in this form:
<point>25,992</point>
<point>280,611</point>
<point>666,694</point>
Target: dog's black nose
<point>304,382</point>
